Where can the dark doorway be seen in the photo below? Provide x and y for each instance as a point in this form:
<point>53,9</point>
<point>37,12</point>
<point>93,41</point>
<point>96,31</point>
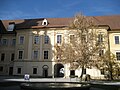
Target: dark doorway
<point>72,72</point>
<point>10,70</point>
<point>45,73</point>
<point>58,70</point>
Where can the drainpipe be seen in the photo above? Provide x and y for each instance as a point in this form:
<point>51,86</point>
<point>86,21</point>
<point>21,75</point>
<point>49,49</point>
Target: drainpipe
<point>110,72</point>
<point>108,39</point>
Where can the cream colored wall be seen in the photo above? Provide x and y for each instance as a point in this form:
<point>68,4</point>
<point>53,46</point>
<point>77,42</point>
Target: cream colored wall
<point>114,47</point>
<point>25,45</point>
<point>8,50</point>
<point>27,68</point>
<point>28,62</point>
<point>95,73</point>
<point>29,47</point>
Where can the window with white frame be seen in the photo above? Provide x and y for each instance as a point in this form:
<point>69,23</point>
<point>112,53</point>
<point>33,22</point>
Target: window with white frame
<point>36,39</point>
<point>13,42</point>
<point>45,54</point>
<point>35,54</point>
<point>59,39</point>
<point>100,38</point>
<point>21,40</point>
<point>20,54</point>
<point>4,42</point>
<point>117,40</point>
<point>46,38</point>
<point>118,55</point>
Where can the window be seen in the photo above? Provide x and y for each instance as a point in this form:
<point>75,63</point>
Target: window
<point>35,54</point>
<point>34,70</point>
<point>2,57</point>
<point>1,68</point>
<point>100,38</point>
<point>71,38</point>
<point>45,54</point>
<point>12,56</point>
<point>20,55</point>
<point>13,42</point>
<point>118,55</point>
<point>101,52</point>
<point>5,42</point>
<point>45,22</point>
<point>36,40</point>
<point>46,39</point>
<point>19,70</point>
<point>59,38</point>
<point>21,40</point>
<point>117,40</point>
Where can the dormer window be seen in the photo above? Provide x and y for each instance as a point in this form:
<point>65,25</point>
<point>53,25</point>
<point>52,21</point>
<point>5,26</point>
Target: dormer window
<point>11,26</point>
<point>45,22</point>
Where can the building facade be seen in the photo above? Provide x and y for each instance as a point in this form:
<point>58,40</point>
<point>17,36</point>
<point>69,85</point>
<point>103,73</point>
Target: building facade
<point>27,46</point>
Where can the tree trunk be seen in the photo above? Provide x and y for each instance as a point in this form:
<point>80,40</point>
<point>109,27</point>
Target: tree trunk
<point>110,71</point>
<point>82,73</point>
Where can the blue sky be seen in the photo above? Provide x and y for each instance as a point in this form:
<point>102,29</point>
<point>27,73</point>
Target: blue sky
<point>25,9</point>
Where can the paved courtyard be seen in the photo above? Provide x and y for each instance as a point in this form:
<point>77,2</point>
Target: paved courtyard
<point>8,79</point>
<point>21,79</point>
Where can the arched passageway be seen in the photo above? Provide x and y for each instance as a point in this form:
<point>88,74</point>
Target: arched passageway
<point>58,70</point>
<point>45,71</point>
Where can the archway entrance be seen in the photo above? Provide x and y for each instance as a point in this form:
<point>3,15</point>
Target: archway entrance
<point>45,71</point>
<point>58,70</point>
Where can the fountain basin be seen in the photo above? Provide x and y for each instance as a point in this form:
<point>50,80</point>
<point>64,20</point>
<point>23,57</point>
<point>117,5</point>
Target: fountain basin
<point>54,86</point>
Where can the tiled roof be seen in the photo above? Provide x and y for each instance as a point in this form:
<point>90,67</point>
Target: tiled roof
<point>112,21</point>
<point>37,23</point>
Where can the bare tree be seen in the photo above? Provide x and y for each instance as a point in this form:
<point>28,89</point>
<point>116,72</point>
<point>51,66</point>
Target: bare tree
<point>81,51</point>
